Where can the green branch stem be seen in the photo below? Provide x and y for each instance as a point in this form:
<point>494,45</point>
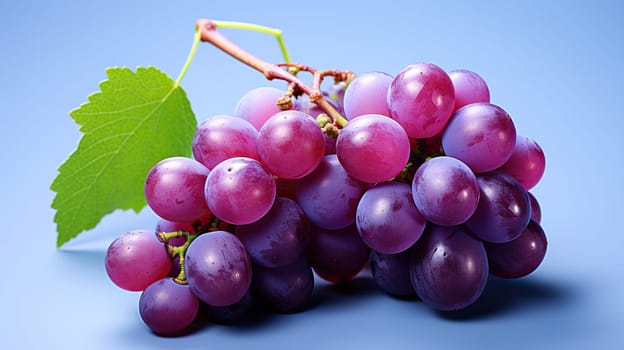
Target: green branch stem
<point>277,33</point>
<point>189,59</point>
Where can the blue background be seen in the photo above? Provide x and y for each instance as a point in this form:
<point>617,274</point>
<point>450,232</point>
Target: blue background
<point>555,66</point>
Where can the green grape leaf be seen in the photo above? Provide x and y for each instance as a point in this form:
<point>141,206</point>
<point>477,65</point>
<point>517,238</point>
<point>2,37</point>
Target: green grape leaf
<point>137,119</point>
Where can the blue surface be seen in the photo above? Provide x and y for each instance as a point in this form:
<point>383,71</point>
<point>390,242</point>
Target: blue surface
<point>556,66</point>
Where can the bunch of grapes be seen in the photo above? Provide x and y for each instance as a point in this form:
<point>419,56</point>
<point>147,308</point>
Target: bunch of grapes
<point>427,184</point>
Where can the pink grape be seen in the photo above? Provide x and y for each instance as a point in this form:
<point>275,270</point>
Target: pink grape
<point>366,94</point>
<point>373,148</point>
<point>469,88</point>
<point>290,144</point>
<point>174,188</point>
<point>258,105</point>
<point>240,191</point>
<point>421,98</point>
<point>136,259</point>
<point>222,137</point>
<point>527,162</point>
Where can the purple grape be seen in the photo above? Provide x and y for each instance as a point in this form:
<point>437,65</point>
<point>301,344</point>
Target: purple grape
<point>366,94</point>
<point>445,191</point>
<point>168,308</point>
<point>504,208</point>
<point>373,148</point>
<point>387,218</point>
<point>136,259</point>
<point>449,267</point>
<point>536,211</point>
<point>482,135</point>
<point>469,88</point>
<point>391,272</point>
<point>329,196</point>
<point>421,98</point>
<point>222,137</point>
<point>290,144</point>
<point>527,162</point>
<point>278,238</point>
<point>285,288</point>
<point>337,255</point>
<point>218,268</point>
<point>240,191</point>
<point>174,189</point>
<point>520,256</point>
<point>258,105</point>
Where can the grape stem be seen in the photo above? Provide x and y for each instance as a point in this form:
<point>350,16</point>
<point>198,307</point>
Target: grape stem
<point>179,251</point>
<point>207,30</point>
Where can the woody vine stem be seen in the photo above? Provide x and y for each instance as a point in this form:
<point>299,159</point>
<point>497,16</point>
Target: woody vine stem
<point>206,31</point>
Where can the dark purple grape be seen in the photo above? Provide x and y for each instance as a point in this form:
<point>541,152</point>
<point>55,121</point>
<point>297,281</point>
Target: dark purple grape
<point>536,211</point>
<point>218,268</point>
<point>504,208</point>
<point>391,272</point>
<point>168,308</point>
<point>285,288</point>
<point>337,255</point>
<point>449,267</point>
<point>279,237</point>
<point>519,257</point>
